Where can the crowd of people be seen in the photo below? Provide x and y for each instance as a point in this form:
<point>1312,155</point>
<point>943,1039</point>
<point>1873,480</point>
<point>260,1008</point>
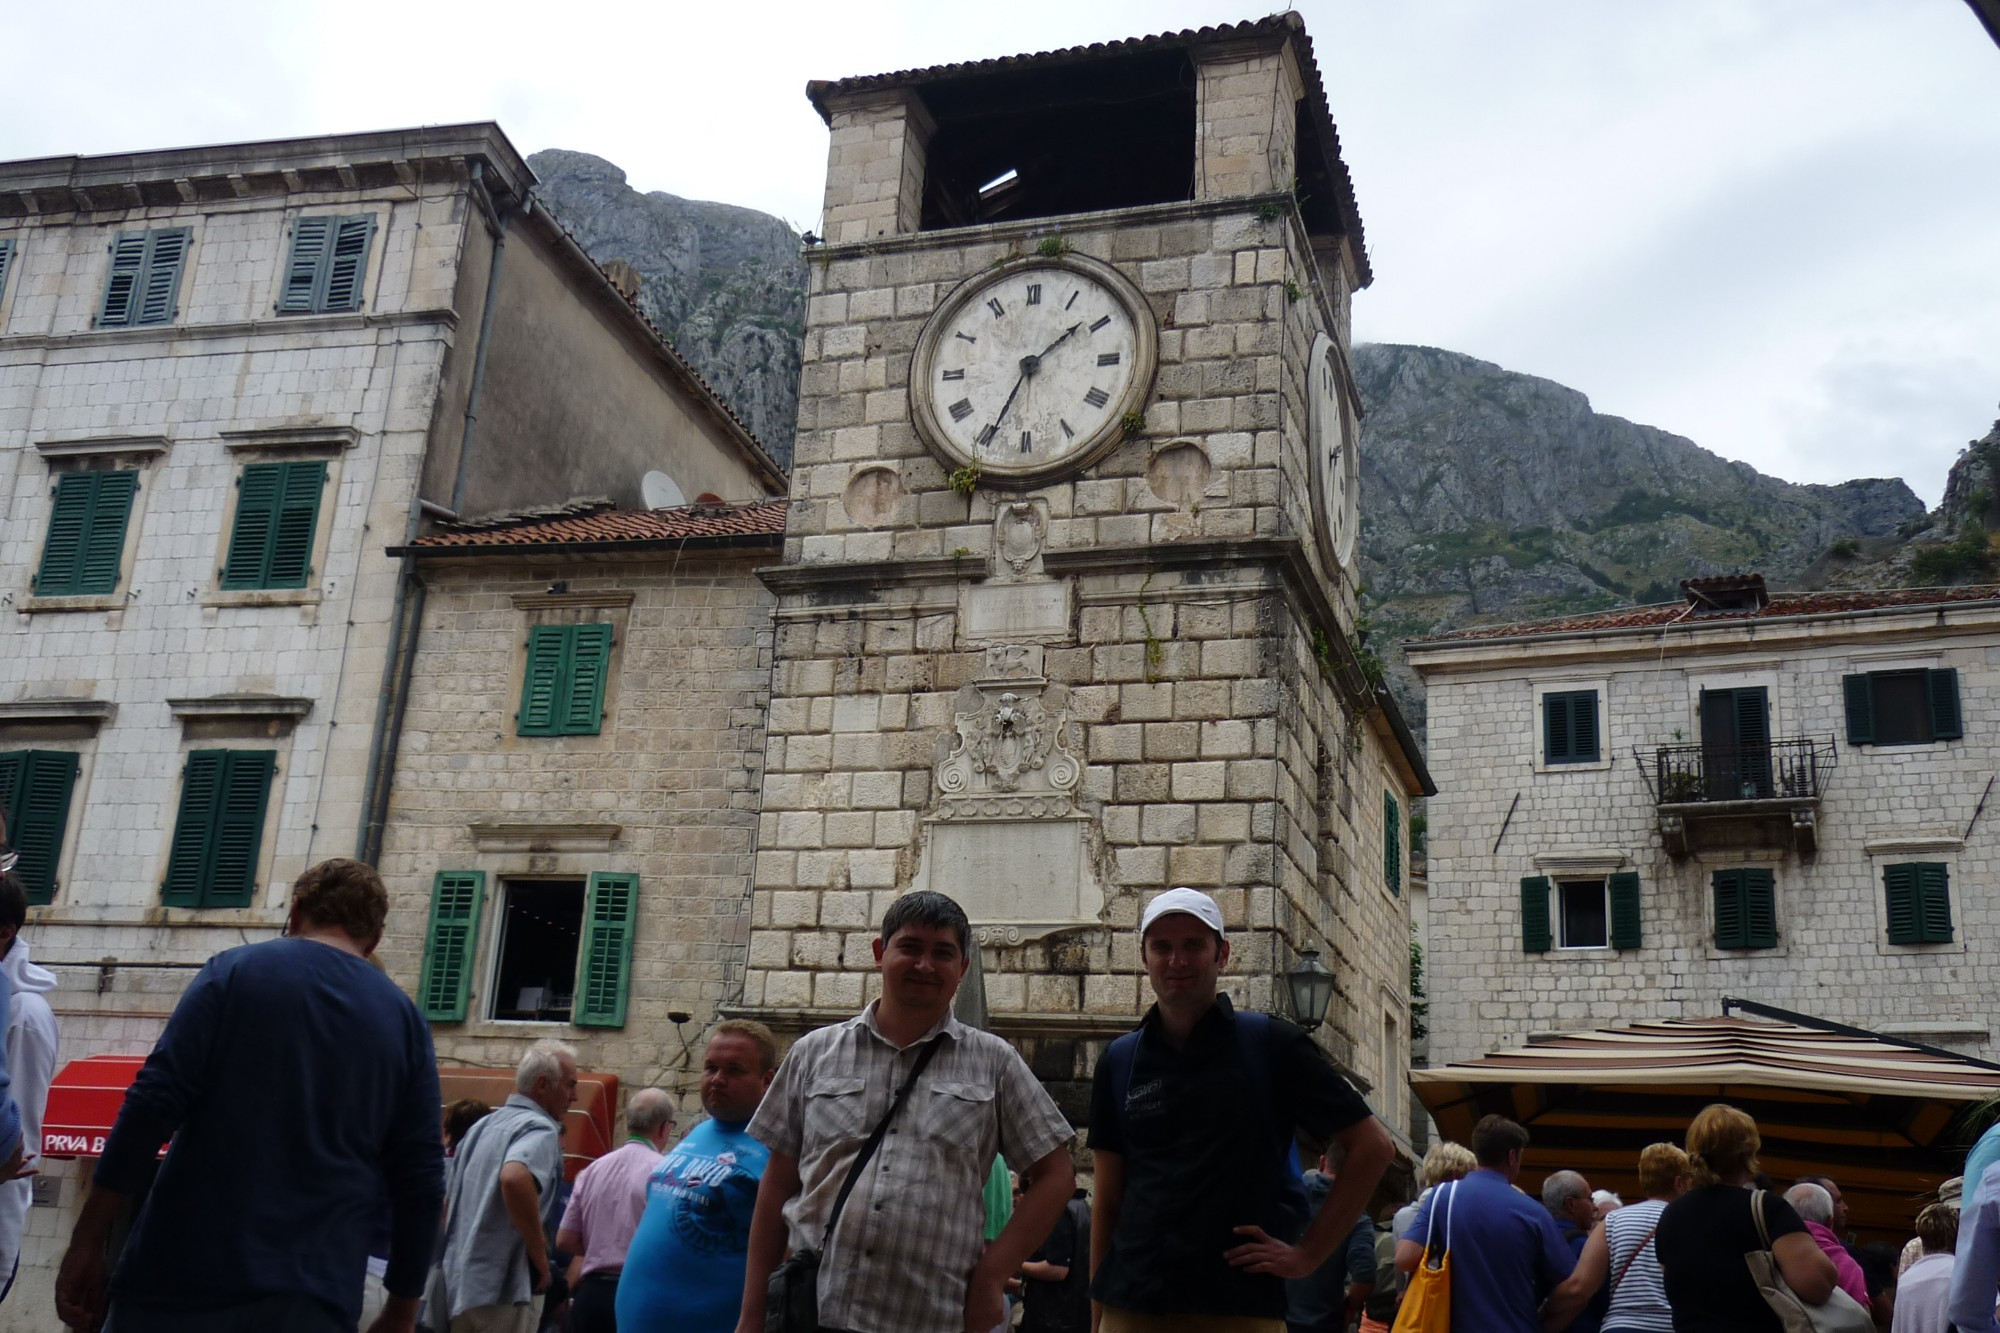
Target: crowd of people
<point>903,1172</point>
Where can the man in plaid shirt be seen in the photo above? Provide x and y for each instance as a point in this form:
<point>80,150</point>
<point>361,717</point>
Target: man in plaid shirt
<point>908,1255</point>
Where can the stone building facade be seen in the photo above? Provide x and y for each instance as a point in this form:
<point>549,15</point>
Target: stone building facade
<point>1055,689</point>
<point>1782,798</point>
<point>230,378</point>
<point>640,820</point>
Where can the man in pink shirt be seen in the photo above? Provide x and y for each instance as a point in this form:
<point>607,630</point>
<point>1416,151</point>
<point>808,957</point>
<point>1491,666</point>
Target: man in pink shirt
<point>1815,1208</point>
<point>604,1210</point>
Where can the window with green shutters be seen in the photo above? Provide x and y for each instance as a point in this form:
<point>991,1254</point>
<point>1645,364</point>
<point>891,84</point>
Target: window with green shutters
<point>1919,894</point>
<point>1746,914</point>
<point>145,277</point>
<point>277,516</point>
<point>86,540</point>
<point>562,690</point>
<point>35,790</point>
<point>1569,727</point>
<point>220,828</point>
<point>328,262</point>
<point>1902,707</point>
<point>1392,843</point>
<point>6,261</point>
<point>605,959</point>
<point>451,944</point>
<point>1536,937</point>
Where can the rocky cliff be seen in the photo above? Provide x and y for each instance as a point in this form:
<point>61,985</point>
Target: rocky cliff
<point>725,284</point>
<point>1490,496</point>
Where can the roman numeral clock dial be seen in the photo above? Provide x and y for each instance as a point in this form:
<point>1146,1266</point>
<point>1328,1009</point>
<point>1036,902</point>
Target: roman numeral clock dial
<point>1028,371</point>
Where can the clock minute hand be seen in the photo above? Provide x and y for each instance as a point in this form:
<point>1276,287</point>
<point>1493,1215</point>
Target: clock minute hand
<point>1060,341</point>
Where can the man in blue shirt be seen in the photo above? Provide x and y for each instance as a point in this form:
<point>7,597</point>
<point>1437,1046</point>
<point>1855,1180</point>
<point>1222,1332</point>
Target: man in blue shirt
<point>1506,1256</point>
<point>298,1086</point>
<point>684,1269</point>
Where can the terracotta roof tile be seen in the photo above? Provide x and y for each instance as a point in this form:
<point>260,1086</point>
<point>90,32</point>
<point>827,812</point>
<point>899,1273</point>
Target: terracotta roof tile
<point>612,527</point>
<point>1679,613</point>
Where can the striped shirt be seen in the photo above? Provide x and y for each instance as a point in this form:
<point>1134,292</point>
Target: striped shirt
<point>1639,1301</point>
<point>913,1229</point>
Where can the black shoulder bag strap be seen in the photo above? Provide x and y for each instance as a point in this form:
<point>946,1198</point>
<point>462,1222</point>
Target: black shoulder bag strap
<point>875,1139</point>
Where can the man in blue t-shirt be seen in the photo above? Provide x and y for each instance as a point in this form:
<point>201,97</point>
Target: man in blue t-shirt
<point>1506,1256</point>
<point>684,1270</point>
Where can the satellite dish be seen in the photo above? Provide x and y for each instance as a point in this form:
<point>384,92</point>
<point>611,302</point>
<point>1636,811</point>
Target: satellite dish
<point>660,491</point>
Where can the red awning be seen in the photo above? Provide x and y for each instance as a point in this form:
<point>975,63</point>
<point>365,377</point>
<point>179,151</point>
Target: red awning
<point>86,1095</point>
<point>84,1102</point>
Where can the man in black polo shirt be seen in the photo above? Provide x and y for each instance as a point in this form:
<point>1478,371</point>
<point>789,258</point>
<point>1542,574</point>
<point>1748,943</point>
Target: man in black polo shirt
<point>1199,1210</point>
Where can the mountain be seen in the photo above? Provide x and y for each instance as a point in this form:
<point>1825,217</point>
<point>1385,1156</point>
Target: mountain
<point>726,285</point>
<point>1490,496</point>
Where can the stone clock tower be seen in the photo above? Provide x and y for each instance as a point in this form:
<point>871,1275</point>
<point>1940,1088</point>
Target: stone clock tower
<point>1067,610</point>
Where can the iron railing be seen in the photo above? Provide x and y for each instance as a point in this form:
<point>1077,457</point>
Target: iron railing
<point>1782,770</point>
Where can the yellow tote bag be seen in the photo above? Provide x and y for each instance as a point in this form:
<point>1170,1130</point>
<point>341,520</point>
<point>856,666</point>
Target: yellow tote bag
<point>1426,1304</point>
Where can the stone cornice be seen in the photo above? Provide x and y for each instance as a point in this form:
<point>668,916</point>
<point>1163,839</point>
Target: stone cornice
<point>241,705</point>
<point>87,446</point>
<point>609,600</point>
<point>314,436</point>
<point>550,837</point>
<point>96,711</point>
<point>229,328</point>
<point>849,573</point>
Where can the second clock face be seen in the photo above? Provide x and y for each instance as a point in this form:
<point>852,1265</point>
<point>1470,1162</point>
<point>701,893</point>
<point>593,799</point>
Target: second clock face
<point>1032,367</point>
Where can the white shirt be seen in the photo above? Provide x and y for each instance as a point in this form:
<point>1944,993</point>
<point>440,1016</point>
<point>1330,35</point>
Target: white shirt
<point>31,1063</point>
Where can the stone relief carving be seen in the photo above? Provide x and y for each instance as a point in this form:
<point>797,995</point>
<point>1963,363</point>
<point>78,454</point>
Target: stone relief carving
<point>1019,530</point>
<point>1009,742</point>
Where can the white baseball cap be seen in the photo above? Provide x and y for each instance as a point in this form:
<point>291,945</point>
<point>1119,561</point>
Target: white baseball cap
<point>1191,901</point>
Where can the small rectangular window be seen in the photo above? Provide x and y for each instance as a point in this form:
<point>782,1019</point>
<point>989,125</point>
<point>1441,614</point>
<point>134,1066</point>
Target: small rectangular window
<point>1392,843</point>
<point>1569,727</point>
<point>1745,908</point>
<point>1584,918</point>
<point>1911,707</point>
<point>1919,902</point>
<point>541,926</point>
<point>145,277</point>
<point>562,689</point>
<point>7,247</point>
<point>35,788</point>
<point>328,262</point>
<point>86,543</point>
<point>277,518</point>
<point>219,832</point>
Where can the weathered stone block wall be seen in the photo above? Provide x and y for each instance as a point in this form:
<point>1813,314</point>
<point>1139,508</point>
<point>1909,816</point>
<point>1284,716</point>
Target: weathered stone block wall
<point>1881,805</point>
<point>676,772</point>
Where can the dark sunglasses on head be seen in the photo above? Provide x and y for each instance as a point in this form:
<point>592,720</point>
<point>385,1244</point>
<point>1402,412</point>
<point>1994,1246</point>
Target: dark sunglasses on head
<point>8,857</point>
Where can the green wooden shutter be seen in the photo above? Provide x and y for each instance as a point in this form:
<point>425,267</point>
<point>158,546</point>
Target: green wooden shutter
<point>302,271</point>
<point>541,683</point>
<point>257,495</point>
<point>1760,908</point>
<point>297,519</point>
<point>239,828</point>
<point>38,816</point>
<point>6,261</point>
<point>121,287</point>
<point>1624,893</point>
<point>605,958</point>
<point>1555,729</point>
<point>1946,724</point>
<point>1392,843</point>
<point>452,942</point>
<point>69,522</point>
<point>1730,932</point>
<point>13,779</point>
<point>582,694</point>
<point>1583,726</point>
<point>1535,935</point>
<point>1933,897</point>
<point>104,536</point>
<point>160,281</point>
<point>1860,692</point>
<point>1899,887</point>
<point>348,265</point>
<point>194,828</point>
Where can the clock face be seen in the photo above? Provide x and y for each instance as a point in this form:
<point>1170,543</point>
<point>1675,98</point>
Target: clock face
<point>1030,370</point>
<point>1336,455</point>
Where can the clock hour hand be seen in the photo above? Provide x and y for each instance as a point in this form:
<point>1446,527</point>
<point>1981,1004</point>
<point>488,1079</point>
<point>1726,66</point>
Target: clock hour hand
<point>1019,380</point>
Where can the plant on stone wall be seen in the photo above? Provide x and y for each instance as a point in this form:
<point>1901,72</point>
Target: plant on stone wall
<point>1133,424</point>
<point>1270,211</point>
<point>1052,247</point>
<point>1155,651</point>
<point>1420,1007</point>
<point>965,481</point>
<point>1293,291</point>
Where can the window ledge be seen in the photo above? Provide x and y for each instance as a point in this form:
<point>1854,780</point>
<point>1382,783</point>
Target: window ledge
<point>129,446</point>
<point>307,437</point>
<point>35,606</point>
<point>263,597</point>
<point>58,710</point>
<point>241,705</point>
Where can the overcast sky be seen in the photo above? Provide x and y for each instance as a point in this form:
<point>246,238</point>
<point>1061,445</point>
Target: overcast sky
<point>1770,225</point>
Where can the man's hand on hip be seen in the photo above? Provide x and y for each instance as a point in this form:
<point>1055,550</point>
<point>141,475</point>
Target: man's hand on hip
<point>985,1303</point>
<point>1262,1254</point>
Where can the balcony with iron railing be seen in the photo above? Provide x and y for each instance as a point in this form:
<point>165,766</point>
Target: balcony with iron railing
<point>1739,795</point>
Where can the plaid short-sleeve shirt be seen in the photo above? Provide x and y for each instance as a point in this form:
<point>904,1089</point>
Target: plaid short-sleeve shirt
<point>913,1228</point>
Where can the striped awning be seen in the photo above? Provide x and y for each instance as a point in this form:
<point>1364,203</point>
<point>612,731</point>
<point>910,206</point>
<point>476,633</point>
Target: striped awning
<point>1879,1116</point>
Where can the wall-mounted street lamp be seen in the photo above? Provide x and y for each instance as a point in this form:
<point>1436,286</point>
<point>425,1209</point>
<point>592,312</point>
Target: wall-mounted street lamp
<point>1311,986</point>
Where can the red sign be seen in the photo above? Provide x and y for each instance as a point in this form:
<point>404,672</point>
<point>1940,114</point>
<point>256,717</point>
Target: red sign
<point>84,1102</point>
